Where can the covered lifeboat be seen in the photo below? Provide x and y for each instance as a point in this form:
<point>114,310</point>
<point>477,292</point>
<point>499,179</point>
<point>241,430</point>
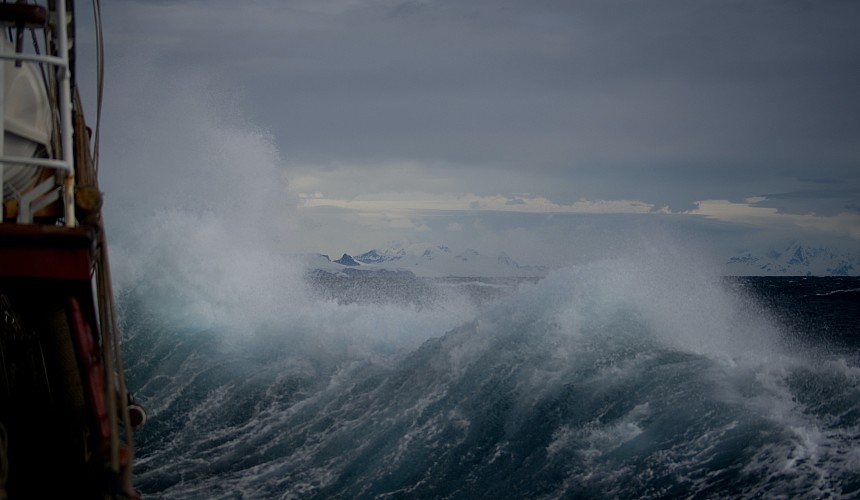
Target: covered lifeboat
<point>27,124</point>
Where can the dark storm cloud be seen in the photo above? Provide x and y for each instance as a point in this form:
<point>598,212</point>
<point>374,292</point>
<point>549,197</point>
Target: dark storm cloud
<point>829,201</point>
<point>667,102</point>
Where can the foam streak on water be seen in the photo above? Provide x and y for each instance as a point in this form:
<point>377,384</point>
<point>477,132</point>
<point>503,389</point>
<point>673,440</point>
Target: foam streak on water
<point>633,378</point>
<point>607,380</point>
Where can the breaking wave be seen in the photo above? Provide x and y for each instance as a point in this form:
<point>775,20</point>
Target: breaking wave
<point>613,379</point>
<point>640,377</point>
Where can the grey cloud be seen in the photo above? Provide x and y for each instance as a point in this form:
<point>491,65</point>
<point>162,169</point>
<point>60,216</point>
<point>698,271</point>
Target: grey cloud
<point>666,101</point>
<point>822,201</point>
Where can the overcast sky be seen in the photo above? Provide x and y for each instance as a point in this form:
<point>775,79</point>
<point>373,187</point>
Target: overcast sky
<point>528,126</point>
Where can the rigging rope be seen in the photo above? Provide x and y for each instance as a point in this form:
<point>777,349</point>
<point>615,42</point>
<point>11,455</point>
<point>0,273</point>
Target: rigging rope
<point>100,57</point>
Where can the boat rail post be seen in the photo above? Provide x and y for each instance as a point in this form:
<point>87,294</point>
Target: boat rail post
<point>66,115</point>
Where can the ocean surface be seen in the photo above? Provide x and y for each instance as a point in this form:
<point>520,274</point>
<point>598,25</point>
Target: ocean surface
<point>607,380</point>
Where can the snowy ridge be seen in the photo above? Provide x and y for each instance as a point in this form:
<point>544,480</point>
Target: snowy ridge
<point>794,260</point>
<point>437,261</point>
<point>428,261</point>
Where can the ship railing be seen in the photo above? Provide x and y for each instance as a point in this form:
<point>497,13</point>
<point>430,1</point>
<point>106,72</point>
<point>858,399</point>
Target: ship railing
<point>62,184</point>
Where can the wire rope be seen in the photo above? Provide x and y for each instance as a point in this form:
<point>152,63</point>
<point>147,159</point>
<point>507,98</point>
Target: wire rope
<point>100,57</point>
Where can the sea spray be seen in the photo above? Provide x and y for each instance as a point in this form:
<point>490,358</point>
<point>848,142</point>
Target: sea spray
<point>642,376</point>
<point>601,380</point>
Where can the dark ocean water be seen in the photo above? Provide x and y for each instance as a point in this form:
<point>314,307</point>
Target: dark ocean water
<point>600,381</point>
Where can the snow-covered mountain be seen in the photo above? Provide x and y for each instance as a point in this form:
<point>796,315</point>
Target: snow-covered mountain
<point>431,261</point>
<point>794,260</point>
<point>436,261</point>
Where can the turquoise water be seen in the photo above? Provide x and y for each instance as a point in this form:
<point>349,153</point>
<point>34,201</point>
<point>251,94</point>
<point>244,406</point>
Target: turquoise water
<point>610,380</point>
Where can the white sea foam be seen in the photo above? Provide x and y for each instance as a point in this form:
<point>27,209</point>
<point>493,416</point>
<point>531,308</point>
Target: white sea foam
<point>640,370</point>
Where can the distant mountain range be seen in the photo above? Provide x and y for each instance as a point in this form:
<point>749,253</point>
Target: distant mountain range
<point>795,260</point>
<point>434,261</point>
<point>430,261</point>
